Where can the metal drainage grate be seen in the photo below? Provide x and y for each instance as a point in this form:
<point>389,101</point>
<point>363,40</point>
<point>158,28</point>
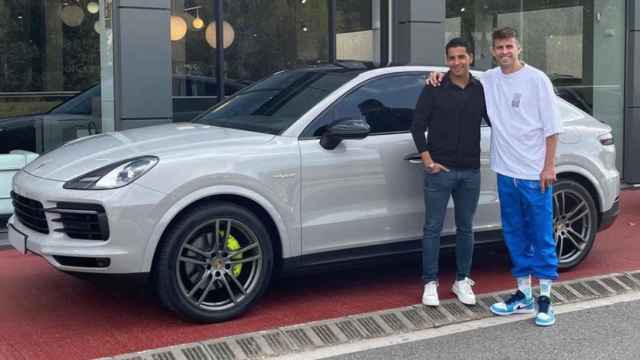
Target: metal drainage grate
<point>278,343</point>
<point>166,355</point>
<point>372,328</point>
<point>350,330</point>
<point>614,285</point>
<point>635,276</point>
<point>486,301</point>
<point>582,290</point>
<point>339,331</point>
<point>250,347</point>
<point>394,322</point>
<point>418,321</point>
<point>458,312</point>
<point>566,293</point>
<point>479,310</point>
<point>325,334</point>
<point>221,351</point>
<point>435,315</point>
<point>627,282</point>
<point>600,289</point>
<point>195,353</point>
<point>300,338</point>
<point>555,297</point>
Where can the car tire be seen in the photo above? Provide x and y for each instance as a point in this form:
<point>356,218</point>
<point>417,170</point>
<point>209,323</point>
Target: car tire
<point>575,222</point>
<point>213,263</point>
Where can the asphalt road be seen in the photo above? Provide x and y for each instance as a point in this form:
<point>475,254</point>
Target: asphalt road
<point>608,332</point>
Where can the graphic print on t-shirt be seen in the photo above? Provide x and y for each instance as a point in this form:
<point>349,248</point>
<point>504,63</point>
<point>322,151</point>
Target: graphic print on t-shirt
<point>515,102</point>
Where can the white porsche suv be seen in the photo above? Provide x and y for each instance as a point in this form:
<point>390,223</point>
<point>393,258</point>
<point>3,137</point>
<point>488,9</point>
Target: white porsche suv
<point>307,167</point>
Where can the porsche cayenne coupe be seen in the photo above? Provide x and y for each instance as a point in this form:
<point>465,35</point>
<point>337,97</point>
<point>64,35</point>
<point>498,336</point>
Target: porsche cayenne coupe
<point>306,167</point>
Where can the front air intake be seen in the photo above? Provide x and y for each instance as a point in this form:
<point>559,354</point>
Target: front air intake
<point>86,262</point>
<point>81,221</point>
<point>30,213</point>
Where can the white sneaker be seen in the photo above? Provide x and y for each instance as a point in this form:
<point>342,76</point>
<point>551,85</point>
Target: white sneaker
<point>430,294</point>
<point>463,291</point>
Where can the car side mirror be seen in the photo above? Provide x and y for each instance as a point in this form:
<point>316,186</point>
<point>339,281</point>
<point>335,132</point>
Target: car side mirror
<point>342,130</point>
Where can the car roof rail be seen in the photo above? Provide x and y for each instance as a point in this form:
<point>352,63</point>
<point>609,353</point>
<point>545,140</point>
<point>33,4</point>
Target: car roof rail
<point>355,64</point>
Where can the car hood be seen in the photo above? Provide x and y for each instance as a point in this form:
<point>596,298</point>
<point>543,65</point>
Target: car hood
<point>86,154</point>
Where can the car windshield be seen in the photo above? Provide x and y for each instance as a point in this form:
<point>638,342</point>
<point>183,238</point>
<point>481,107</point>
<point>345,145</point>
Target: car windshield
<point>272,105</point>
<point>79,104</point>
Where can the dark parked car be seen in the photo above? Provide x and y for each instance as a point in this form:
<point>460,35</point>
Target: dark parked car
<point>80,115</point>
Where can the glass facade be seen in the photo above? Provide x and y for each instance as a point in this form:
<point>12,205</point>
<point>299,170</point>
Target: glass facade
<point>56,56</point>
<point>358,30</point>
<point>274,35</point>
<point>263,37</point>
<point>55,61</point>
<point>579,44</point>
<point>193,58</point>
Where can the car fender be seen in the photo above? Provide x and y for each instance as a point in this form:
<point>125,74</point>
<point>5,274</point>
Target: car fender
<point>576,169</point>
<point>203,193</point>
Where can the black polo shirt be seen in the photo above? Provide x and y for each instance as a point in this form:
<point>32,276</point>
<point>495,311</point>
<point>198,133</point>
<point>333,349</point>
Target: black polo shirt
<point>453,116</point>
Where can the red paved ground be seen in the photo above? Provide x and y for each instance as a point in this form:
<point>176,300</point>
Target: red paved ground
<point>45,314</point>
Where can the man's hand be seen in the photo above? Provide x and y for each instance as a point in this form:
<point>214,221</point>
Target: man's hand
<point>434,79</point>
<point>547,177</point>
<point>435,168</point>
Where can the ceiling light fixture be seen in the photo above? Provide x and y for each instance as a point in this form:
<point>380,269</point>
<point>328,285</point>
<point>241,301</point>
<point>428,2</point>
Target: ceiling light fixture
<point>178,28</point>
<point>72,15</point>
<point>228,34</point>
<point>197,23</point>
<point>93,7</point>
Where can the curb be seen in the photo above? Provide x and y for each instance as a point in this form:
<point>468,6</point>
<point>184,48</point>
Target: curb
<point>349,329</point>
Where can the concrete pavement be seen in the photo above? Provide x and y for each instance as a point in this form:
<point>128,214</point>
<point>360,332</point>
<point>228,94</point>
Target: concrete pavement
<point>608,332</point>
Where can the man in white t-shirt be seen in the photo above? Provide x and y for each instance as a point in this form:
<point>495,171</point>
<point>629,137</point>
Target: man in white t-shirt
<point>524,136</point>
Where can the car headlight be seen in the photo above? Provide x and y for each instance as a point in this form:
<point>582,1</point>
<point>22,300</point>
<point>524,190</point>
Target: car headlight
<point>113,176</point>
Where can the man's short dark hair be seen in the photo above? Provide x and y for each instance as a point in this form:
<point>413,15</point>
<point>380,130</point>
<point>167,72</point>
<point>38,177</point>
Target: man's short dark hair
<point>502,33</point>
<point>458,42</point>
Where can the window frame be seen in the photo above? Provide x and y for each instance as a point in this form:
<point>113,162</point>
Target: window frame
<point>304,135</point>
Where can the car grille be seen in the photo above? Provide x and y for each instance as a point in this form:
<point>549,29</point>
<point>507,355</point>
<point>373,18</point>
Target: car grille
<point>81,221</point>
<point>30,213</point>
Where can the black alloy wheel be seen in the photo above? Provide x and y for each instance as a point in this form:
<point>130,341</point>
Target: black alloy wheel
<point>214,262</point>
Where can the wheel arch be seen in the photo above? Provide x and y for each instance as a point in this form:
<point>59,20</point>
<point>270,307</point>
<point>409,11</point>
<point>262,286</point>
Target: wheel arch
<point>588,182</point>
<point>256,204</point>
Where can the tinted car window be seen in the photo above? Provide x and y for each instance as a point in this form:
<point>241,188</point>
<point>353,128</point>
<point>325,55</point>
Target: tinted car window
<point>387,104</point>
<point>274,104</point>
<point>194,94</point>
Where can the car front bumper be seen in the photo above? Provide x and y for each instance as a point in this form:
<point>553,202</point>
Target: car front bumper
<point>131,220</point>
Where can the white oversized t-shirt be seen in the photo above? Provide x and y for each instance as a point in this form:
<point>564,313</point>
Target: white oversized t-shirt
<point>523,112</point>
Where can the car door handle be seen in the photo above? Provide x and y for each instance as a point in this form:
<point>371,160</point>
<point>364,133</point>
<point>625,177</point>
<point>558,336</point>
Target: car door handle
<point>413,158</point>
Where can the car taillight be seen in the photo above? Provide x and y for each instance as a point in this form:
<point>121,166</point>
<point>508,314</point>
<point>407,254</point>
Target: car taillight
<point>606,139</point>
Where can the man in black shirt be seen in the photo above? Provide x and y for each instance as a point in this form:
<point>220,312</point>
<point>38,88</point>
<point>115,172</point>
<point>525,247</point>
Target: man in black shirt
<point>452,114</point>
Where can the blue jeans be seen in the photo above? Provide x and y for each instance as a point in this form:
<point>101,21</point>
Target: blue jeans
<point>464,186</point>
<point>527,225</point>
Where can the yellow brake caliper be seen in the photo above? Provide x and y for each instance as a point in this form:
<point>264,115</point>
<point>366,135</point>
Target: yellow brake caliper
<point>233,245</point>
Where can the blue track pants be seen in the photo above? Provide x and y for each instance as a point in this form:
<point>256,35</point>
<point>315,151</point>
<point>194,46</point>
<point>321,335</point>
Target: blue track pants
<point>527,225</point>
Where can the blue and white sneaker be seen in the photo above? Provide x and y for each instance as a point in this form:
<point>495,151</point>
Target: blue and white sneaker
<point>518,303</point>
<point>545,316</point>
